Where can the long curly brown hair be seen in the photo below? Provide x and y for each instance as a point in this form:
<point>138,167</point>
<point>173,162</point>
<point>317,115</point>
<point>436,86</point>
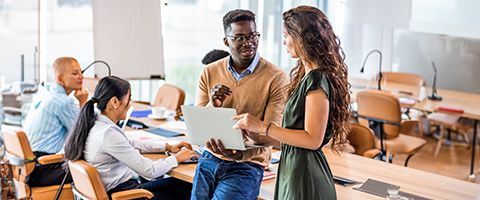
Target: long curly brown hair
<point>315,42</point>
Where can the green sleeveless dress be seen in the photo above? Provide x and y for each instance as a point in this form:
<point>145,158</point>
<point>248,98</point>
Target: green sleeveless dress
<point>303,173</point>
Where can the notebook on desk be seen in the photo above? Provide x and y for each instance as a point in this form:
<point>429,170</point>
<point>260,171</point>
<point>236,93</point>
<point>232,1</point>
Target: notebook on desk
<point>141,113</point>
<point>164,132</point>
<point>375,187</point>
<point>450,109</point>
<point>380,188</point>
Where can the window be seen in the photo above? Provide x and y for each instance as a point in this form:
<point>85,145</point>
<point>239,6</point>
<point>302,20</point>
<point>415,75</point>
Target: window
<point>41,31</point>
<point>193,28</point>
<point>18,36</point>
<point>69,32</point>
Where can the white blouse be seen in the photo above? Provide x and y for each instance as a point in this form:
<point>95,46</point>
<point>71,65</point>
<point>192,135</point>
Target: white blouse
<point>118,158</point>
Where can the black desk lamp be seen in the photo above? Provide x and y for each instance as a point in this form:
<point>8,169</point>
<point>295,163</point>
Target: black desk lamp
<point>434,96</point>
<point>99,61</point>
<point>379,65</point>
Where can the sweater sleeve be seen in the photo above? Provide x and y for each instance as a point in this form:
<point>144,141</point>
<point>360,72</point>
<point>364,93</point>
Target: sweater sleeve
<point>202,97</point>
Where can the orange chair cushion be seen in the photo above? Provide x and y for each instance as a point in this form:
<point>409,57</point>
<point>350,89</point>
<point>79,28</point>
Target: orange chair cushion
<point>403,144</point>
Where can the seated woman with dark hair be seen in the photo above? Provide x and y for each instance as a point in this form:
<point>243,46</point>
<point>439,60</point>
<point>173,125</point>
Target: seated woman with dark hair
<point>97,139</point>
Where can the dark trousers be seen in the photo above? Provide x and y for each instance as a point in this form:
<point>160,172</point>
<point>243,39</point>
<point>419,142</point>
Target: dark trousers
<point>162,189</point>
<point>47,175</point>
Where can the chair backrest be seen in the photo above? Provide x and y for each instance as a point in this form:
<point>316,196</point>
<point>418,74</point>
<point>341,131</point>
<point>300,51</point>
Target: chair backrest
<point>170,97</point>
<point>87,180</point>
<point>380,105</point>
<point>361,138</point>
<point>18,147</point>
<point>404,78</point>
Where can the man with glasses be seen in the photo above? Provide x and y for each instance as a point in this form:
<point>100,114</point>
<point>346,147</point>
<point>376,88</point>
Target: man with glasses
<point>250,84</point>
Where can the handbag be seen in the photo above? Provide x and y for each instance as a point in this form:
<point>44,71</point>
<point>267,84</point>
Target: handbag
<point>6,181</point>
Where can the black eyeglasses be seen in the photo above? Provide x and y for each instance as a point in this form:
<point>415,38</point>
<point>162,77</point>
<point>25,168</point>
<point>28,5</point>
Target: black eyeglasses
<point>241,39</point>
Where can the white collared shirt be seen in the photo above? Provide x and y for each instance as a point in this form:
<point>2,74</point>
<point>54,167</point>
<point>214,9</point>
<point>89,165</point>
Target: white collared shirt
<point>118,158</point>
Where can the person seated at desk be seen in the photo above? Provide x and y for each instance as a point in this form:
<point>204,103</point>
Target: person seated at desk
<point>317,109</point>
<point>214,55</point>
<point>51,116</point>
<point>97,139</point>
<point>247,82</point>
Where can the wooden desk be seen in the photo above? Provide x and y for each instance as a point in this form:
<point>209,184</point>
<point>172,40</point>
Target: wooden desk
<point>469,102</point>
<point>359,168</point>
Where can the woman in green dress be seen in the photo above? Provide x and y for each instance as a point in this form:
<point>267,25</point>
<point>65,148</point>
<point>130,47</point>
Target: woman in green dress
<point>317,109</point>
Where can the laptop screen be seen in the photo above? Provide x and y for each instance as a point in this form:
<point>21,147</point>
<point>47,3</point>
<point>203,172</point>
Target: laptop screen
<point>127,117</point>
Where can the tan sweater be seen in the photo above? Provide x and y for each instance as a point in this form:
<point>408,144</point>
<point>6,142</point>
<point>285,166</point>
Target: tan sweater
<point>261,94</point>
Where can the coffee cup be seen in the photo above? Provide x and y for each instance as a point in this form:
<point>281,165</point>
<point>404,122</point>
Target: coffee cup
<point>158,111</point>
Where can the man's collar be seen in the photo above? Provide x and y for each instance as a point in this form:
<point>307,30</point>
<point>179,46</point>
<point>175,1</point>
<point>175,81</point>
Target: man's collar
<point>250,68</point>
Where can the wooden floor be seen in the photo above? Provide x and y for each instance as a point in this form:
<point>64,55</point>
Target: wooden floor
<point>452,161</point>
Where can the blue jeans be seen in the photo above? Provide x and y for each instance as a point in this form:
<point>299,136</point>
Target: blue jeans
<point>220,179</point>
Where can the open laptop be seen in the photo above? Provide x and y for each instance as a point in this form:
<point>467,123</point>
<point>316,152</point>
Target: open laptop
<point>127,117</point>
<point>204,123</point>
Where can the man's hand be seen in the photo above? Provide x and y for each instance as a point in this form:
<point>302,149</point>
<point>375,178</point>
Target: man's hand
<point>218,148</point>
<point>81,95</point>
<point>219,94</point>
<point>174,148</point>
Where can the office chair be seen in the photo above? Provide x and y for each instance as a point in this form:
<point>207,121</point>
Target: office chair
<point>380,111</point>
<point>450,123</point>
<point>362,140</point>
<point>404,78</point>
<point>169,96</point>
<point>23,161</point>
<point>88,185</point>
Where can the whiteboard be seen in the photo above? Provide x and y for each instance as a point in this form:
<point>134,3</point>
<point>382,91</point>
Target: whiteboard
<point>128,36</point>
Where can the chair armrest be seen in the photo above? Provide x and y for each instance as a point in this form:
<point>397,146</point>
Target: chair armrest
<point>371,153</point>
<point>132,194</point>
<point>50,159</point>
<point>12,110</point>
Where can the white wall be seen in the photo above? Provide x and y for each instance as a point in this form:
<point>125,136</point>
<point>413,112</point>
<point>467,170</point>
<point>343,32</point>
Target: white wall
<point>411,34</point>
<point>459,18</point>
